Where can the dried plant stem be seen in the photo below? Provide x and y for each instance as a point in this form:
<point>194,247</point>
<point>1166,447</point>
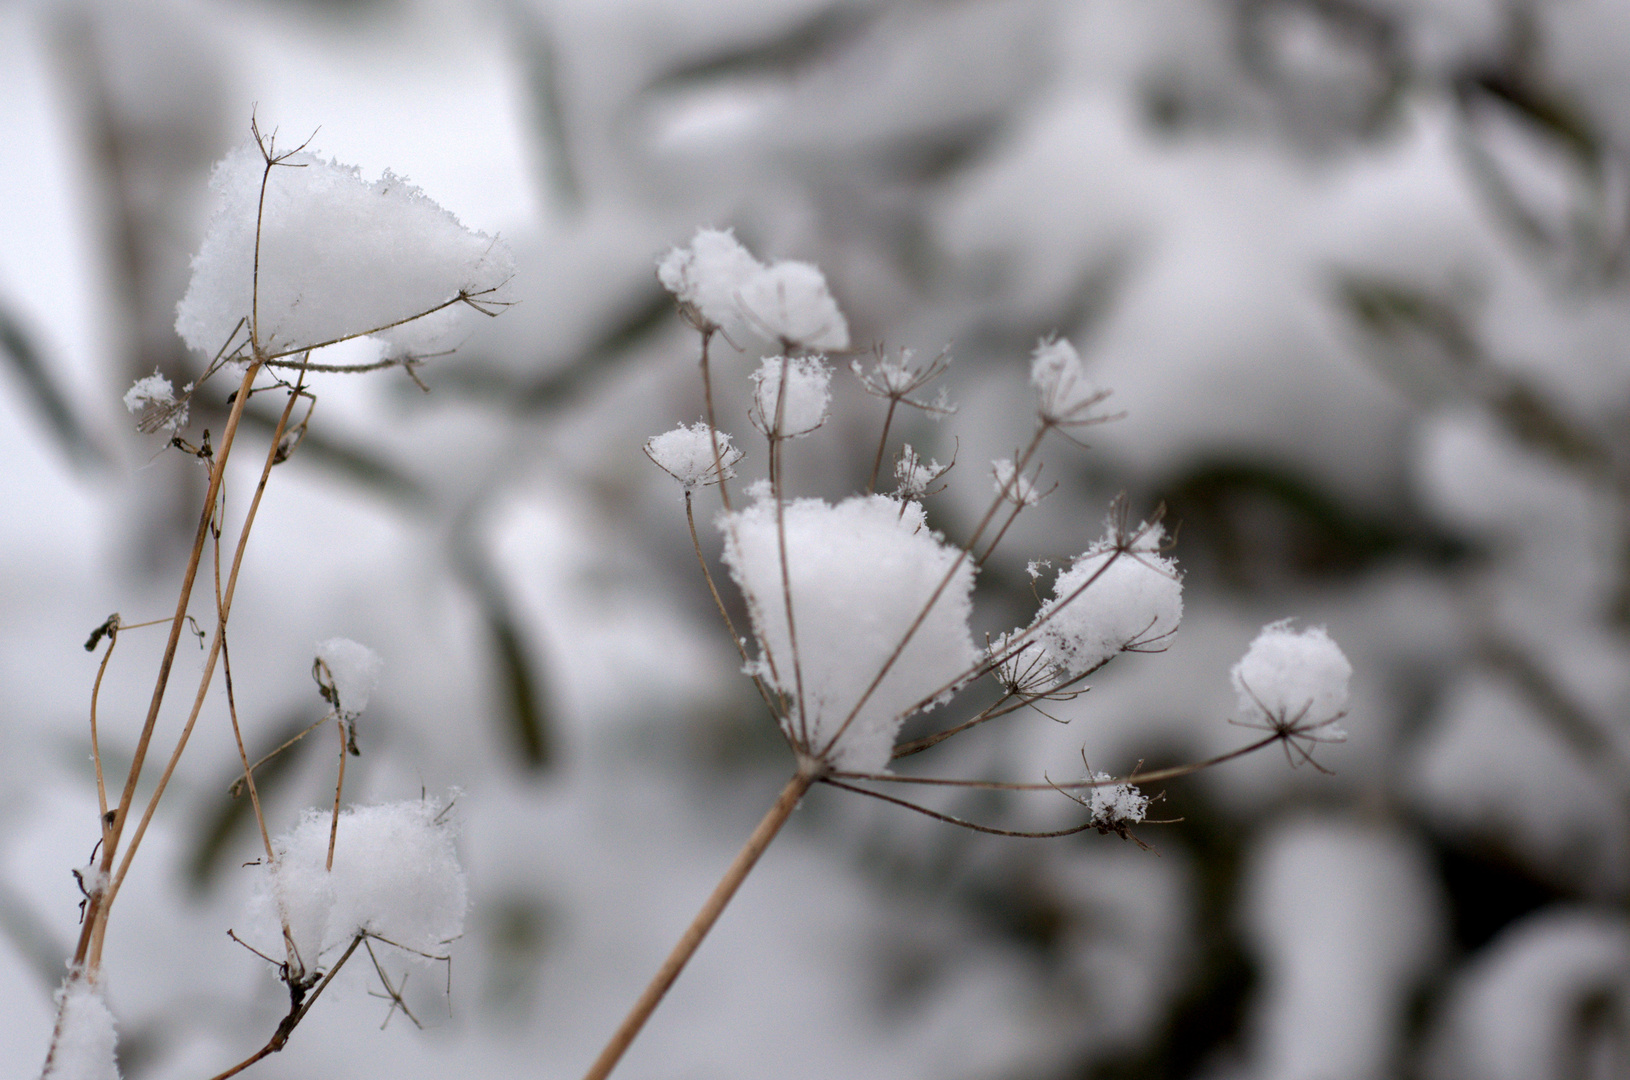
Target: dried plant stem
<point>882,444</point>
<point>806,775</point>
<point>96,744</point>
<point>95,910</point>
<point>232,709</point>
<point>297,1013</point>
<point>339,788</point>
<point>95,949</point>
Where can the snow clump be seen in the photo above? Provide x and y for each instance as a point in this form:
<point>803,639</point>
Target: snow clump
<point>1115,805</point>
<point>798,409</point>
<point>688,455</point>
<point>1296,677</point>
<point>353,671</point>
<point>83,1048</point>
<point>153,402</point>
<point>726,288</point>
<point>395,875</point>
<point>1119,595</point>
<point>861,572</point>
<point>338,257</point>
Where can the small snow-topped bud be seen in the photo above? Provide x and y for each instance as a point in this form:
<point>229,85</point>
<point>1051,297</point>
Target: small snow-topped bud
<point>336,257</point>
<point>1065,395</point>
<point>689,456</point>
<point>860,575</point>
<point>798,409</point>
<point>707,276</point>
<point>83,1048</point>
<point>789,302</point>
<point>1294,677</point>
<point>152,400</point>
<point>1114,806</point>
<point>1014,487</point>
<point>395,874</point>
<point>1120,596</point>
<point>353,672</point>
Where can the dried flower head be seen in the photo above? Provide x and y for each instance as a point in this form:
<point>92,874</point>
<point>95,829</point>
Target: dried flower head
<point>688,455</point>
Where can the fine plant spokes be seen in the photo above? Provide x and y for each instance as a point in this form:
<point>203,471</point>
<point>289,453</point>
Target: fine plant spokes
<point>797,563</point>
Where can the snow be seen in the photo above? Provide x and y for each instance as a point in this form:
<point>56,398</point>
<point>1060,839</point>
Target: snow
<point>152,401</point>
<point>395,875</point>
<point>85,1039</point>
<point>338,256</point>
<point>1110,600</point>
<point>1112,805</point>
<point>861,572</point>
<point>786,302</point>
<point>1064,393</point>
<point>1294,676</point>
<point>689,456</point>
<point>354,671</point>
<point>798,409</point>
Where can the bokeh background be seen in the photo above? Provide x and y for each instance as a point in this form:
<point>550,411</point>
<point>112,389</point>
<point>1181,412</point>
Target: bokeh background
<point>1357,272</point>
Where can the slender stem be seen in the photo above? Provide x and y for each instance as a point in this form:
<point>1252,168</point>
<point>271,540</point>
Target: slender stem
<point>882,442</point>
<point>280,1037</point>
<point>339,786</point>
<point>699,927</point>
<point>96,744</point>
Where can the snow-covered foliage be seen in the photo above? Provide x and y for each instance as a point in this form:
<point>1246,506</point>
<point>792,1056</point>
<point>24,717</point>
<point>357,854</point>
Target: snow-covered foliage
<point>860,576</point>
<point>86,1039</point>
<point>152,401</point>
<point>1115,806</point>
<point>396,875</point>
<point>337,256</point>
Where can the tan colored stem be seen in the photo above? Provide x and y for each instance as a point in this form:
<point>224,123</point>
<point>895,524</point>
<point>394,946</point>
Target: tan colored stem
<point>699,927</point>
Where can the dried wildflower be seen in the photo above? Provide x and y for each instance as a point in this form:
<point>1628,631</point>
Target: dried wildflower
<point>688,455</point>
<point>1065,396</point>
<point>791,395</point>
<point>1020,490</point>
<point>915,480</point>
<point>897,379</point>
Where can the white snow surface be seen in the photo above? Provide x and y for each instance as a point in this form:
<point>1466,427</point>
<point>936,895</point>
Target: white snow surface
<point>338,257</point>
<point>860,574</point>
<point>355,669</point>
<point>396,874</point>
<point>808,395</point>
<point>1106,602</point>
<point>1293,675</point>
<point>86,1038</point>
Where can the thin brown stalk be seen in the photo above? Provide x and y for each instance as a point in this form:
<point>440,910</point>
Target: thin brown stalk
<point>951,819</point>
<point>232,712</point>
<point>699,927</point>
<point>296,1014</point>
<point>339,787</point>
<point>96,743</point>
<point>209,665</point>
<point>882,444</point>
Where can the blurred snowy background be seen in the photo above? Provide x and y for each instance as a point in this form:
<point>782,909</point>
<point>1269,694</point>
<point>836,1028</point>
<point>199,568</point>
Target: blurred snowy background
<point>1359,274</point>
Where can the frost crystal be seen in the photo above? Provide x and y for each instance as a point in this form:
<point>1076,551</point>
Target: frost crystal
<point>808,392</point>
<point>686,454</point>
<point>154,404</point>
<point>354,672</point>
<point>789,302</point>
<point>85,1039</point>
<point>338,257</point>
<point>1015,488</point>
<point>861,572</point>
<point>708,275</point>
<point>1118,596</point>
<point>1296,678</point>
<point>1115,805</point>
<point>1065,394</point>
<point>395,875</point>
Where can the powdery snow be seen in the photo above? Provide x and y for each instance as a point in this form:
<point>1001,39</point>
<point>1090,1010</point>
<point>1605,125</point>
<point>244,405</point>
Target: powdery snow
<point>1107,602</point>
<point>688,455</point>
<point>861,572</point>
<point>808,394</point>
<point>395,875</point>
<point>786,302</point>
<point>355,671</point>
<point>85,1038</point>
<point>1298,676</point>
<point>338,257</point>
